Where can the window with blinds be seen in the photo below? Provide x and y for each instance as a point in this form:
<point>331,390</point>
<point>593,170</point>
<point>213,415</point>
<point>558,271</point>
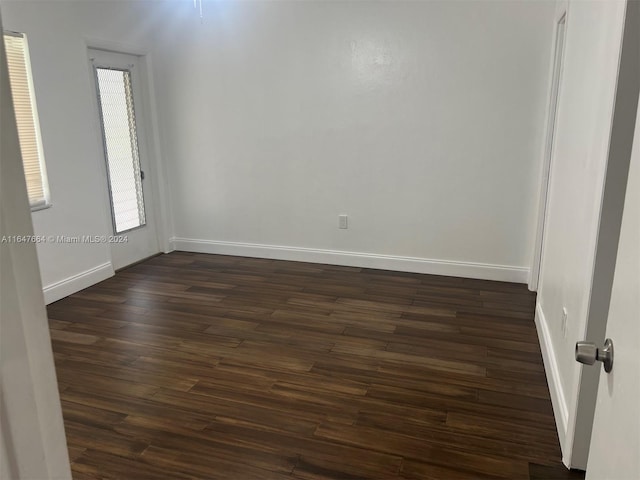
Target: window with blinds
<point>26,119</point>
<point>119,132</point>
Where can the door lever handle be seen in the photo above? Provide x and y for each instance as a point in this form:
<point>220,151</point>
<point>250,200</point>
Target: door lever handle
<point>587,353</point>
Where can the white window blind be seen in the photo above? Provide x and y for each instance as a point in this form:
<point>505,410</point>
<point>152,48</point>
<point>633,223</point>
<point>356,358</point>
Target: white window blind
<point>115,93</point>
<point>26,119</point>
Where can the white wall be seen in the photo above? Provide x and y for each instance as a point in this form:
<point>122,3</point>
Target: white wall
<point>579,165</point>
<point>57,33</point>
<point>420,120</point>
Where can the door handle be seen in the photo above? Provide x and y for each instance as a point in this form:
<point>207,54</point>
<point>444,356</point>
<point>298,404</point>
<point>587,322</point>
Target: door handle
<point>587,353</point>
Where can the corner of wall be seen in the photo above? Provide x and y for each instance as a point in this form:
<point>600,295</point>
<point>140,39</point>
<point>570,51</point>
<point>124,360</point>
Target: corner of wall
<point>67,286</point>
<point>171,245</point>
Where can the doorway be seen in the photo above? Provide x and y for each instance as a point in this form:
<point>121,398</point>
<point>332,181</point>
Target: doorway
<point>118,90</point>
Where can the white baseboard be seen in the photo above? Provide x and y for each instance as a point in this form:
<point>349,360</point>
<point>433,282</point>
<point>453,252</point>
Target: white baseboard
<point>75,283</point>
<point>558,400</point>
<point>355,259</point>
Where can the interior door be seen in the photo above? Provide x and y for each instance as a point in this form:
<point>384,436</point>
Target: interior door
<point>615,445</point>
<point>118,86</point>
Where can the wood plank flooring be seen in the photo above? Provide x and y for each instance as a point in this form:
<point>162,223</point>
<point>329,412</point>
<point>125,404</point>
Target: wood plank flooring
<point>215,367</point>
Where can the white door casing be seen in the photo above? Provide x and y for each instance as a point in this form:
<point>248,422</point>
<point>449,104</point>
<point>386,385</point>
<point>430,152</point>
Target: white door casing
<point>552,112</point>
<point>32,438</point>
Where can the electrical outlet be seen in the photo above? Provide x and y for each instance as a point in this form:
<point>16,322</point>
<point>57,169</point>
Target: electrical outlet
<point>343,221</point>
<point>564,322</point>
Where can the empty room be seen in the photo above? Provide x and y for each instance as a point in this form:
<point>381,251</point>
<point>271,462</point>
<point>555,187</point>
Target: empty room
<point>320,239</point>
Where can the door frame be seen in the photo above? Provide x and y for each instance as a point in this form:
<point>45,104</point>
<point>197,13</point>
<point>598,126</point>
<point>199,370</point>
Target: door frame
<point>146,111</point>
<point>561,14</point>
<point>32,437</point>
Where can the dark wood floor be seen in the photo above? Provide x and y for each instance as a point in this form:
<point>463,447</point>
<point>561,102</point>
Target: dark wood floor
<point>205,366</point>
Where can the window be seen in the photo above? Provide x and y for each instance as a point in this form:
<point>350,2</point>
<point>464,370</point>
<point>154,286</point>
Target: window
<point>117,115</point>
<point>24,103</point>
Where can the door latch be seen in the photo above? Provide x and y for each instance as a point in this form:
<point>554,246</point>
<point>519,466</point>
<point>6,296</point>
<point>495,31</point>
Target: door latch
<point>587,353</point>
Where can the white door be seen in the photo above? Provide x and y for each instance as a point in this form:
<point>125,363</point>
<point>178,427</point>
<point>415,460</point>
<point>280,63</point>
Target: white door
<point>615,444</point>
<point>118,86</point>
